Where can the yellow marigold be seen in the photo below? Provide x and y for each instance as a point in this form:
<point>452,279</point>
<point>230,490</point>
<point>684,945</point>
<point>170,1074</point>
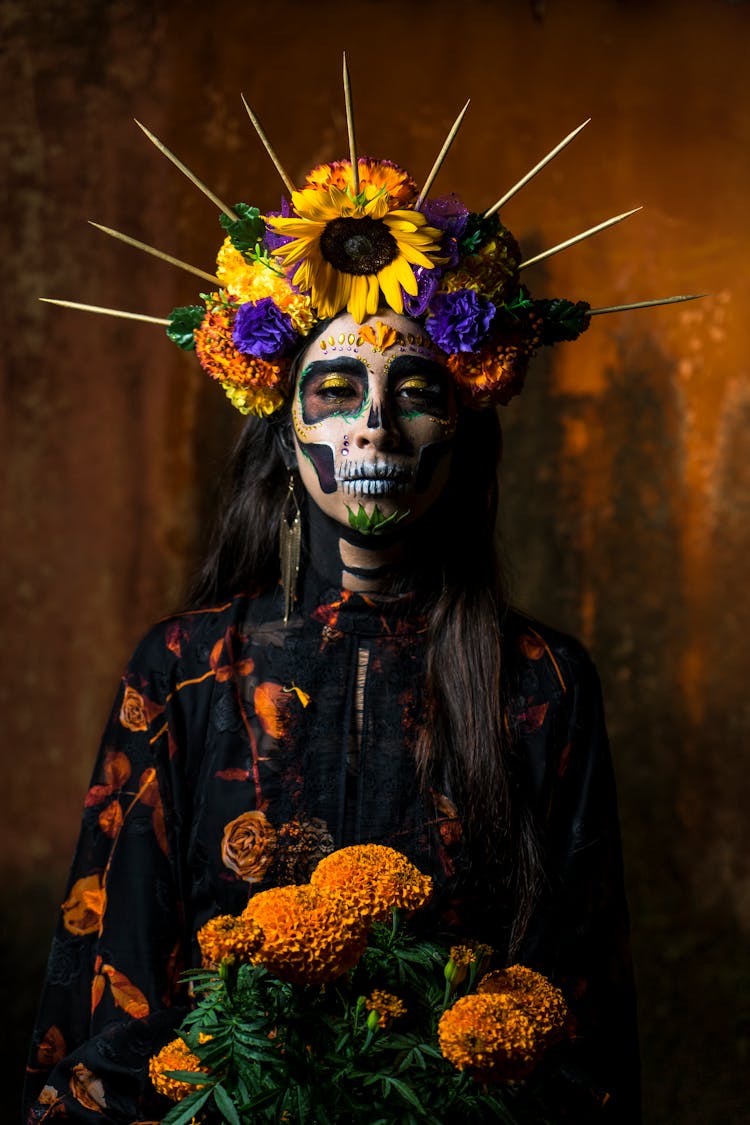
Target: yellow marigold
<point>251,281</point>
<point>252,385</point>
<point>540,1001</point>
<point>387,1006</point>
<point>491,1037</point>
<point>308,937</point>
<point>228,936</point>
<point>492,271</point>
<point>175,1056</point>
<point>373,879</point>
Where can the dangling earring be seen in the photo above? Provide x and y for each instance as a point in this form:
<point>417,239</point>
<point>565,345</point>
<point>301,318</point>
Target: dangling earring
<point>290,537</point>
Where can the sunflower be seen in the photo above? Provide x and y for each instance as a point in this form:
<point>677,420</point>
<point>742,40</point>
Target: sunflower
<point>348,249</point>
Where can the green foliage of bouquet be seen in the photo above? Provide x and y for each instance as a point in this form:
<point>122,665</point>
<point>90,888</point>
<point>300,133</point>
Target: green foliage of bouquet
<point>318,1007</point>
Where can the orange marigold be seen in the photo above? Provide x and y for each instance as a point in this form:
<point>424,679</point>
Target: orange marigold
<point>175,1056</point>
<point>308,937</point>
<point>491,1037</point>
<point>380,175</point>
<point>497,373</point>
<point>252,385</point>
<point>387,1006</point>
<point>373,879</point>
<point>539,1000</point>
<point>229,936</point>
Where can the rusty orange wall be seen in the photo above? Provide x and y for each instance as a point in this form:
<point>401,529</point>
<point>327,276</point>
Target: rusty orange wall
<point>627,480</point>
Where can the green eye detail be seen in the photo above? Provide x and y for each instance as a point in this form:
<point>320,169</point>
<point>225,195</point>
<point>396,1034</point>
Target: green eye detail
<point>374,522</point>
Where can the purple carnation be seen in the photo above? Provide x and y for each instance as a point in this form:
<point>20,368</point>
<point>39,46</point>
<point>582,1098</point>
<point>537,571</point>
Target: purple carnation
<point>271,238</point>
<point>261,328</point>
<point>460,321</point>
<point>427,282</point>
<point>448,214</point>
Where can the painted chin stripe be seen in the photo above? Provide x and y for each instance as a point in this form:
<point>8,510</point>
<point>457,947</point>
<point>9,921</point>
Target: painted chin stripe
<point>368,572</point>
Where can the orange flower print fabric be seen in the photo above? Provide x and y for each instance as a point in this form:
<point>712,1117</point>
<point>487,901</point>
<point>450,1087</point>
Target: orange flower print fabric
<point>83,909</point>
<point>248,846</point>
<point>133,710</point>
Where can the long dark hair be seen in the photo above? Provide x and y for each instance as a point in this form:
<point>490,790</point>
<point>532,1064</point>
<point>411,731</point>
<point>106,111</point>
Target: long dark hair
<point>466,745</point>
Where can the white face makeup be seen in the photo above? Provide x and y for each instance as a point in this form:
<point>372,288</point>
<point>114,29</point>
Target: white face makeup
<point>374,415</point>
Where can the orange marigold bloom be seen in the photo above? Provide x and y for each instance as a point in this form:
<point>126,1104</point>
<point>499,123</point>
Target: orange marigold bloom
<point>229,936</point>
<point>540,1001</point>
<point>491,1037</point>
<point>387,1006</point>
<point>373,879</point>
<point>175,1056</point>
<point>308,937</point>
<point>252,385</point>
<point>381,175</point>
<point>498,371</point>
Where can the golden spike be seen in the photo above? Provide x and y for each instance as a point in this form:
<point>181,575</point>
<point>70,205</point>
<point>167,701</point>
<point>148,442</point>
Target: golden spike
<point>267,146</point>
<point>186,172</point>
<point>105,312</point>
<point>578,238</point>
<point>537,168</point>
<point>647,304</point>
<point>441,157</point>
<point>156,253</point>
<point>350,129</point>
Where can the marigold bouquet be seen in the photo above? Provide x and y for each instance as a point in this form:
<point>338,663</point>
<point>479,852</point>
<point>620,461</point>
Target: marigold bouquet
<point>316,1005</point>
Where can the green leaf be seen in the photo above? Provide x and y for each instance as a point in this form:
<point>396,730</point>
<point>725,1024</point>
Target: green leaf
<point>247,231</point>
<point>183,322</point>
<point>563,320</point>
<point>226,1106</point>
<point>185,1111</point>
<point>190,1076</point>
<point>477,232</point>
<point>375,522</point>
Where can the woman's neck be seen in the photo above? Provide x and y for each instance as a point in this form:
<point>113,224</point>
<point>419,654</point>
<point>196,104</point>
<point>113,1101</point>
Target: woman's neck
<point>352,561</point>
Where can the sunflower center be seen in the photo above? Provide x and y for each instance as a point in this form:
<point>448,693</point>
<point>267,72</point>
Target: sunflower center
<point>359,246</point>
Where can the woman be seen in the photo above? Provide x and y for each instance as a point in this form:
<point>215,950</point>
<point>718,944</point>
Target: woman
<point>374,685</point>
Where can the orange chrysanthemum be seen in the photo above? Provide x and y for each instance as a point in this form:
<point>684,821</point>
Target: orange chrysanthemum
<point>497,373</point>
<point>308,937</point>
<point>491,1037</point>
<point>387,1006</point>
<point>382,175</point>
<point>252,385</point>
<point>373,879</point>
<point>175,1056</point>
<point>540,1001</point>
<point>229,936</point>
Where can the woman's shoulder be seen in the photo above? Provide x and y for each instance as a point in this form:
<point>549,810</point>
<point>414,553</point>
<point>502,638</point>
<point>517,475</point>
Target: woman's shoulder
<point>561,656</point>
<point>190,637</point>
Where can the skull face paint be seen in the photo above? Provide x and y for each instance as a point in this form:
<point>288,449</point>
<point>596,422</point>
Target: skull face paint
<point>374,415</point>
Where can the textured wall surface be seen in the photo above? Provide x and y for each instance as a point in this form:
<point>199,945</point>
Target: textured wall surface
<point>627,479</point>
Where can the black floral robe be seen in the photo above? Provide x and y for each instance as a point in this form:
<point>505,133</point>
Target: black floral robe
<point>240,751</point>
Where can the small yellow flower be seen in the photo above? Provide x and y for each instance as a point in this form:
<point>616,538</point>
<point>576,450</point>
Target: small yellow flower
<point>373,879</point>
<point>252,281</point>
<point>175,1056</point>
<point>385,1007</point>
<point>228,936</point>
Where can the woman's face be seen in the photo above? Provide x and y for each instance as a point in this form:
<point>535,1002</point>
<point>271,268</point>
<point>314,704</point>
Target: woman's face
<point>374,415</point>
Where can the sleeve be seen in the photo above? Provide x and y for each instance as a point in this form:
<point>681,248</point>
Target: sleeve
<point>111,996</point>
<point>580,936</point>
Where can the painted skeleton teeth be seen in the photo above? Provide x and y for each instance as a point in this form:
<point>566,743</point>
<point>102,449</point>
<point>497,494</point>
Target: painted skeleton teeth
<point>367,487</point>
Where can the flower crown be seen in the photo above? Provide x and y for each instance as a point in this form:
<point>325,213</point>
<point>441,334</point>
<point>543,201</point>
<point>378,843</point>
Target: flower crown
<point>358,236</point>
